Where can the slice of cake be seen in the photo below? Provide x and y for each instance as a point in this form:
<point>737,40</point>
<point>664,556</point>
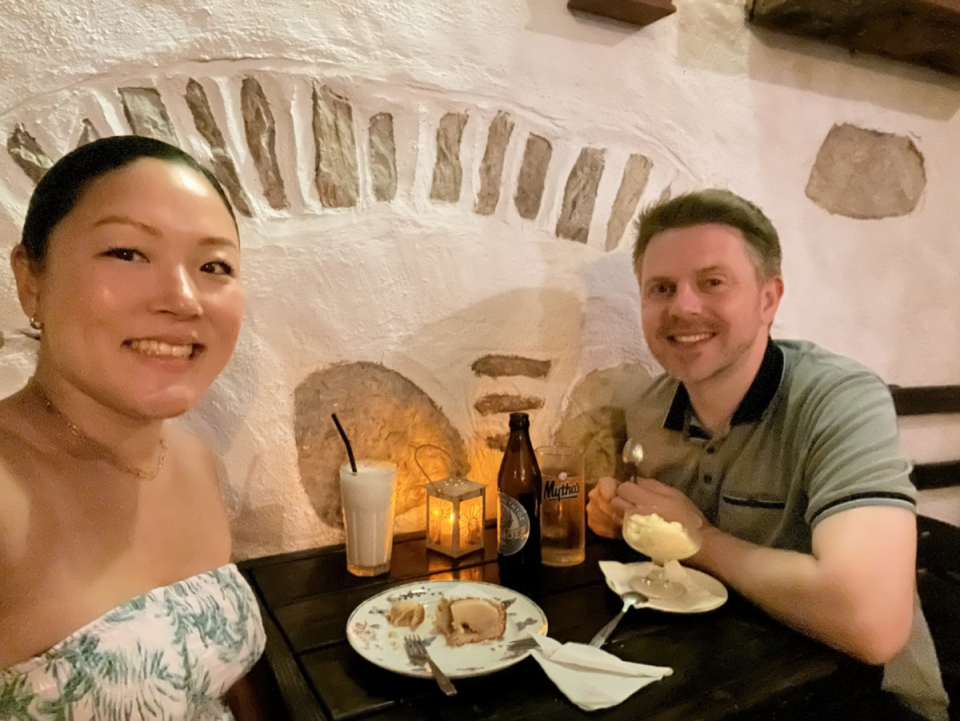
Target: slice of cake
<point>406,613</point>
<point>470,620</point>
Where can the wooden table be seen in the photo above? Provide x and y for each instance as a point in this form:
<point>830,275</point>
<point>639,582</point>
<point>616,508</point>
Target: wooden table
<point>734,662</point>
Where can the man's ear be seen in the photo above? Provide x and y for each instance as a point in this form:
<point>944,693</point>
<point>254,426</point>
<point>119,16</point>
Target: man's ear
<point>771,291</point>
<point>27,275</point>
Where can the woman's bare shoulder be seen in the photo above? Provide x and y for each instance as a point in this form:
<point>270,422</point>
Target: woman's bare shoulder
<point>191,452</point>
<point>197,471</point>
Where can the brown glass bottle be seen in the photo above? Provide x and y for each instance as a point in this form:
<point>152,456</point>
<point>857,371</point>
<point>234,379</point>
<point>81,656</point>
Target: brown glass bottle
<point>519,483</point>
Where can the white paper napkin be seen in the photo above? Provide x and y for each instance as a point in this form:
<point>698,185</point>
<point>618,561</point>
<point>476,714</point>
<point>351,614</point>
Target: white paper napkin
<point>620,576</point>
<point>590,677</point>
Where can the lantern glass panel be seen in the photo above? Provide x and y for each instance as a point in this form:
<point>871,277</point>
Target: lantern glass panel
<point>455,514</point>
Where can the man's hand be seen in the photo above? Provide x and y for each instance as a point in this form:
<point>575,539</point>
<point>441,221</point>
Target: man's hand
<point>609,500</point>
<point>646,491</point>
<point>605,518</point>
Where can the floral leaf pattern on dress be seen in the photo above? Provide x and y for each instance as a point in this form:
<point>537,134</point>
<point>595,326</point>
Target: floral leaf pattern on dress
<point>167,655</point>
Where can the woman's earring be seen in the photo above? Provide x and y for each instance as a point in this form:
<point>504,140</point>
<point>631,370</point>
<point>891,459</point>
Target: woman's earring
<point>35,324</point>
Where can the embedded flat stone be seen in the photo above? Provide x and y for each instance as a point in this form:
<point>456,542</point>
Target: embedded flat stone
<point>147,114</point>
<point>383,157</point>
<point>223,166</point>
<point>27,154</point>
<point>499,366</point>
<point>580,195</point>
<point>595,417</point>
<point>447,171</point>
<point>337,176</point>
<point>260,129</point>
<point>634,181</point>
<point>867,174</point>
<point>506,403</point>
<point>533,173</point>
<point>491,167</point>
<point>386,417</point>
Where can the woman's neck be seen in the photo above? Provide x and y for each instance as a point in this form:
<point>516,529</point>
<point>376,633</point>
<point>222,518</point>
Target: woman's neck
<point>134,446</point>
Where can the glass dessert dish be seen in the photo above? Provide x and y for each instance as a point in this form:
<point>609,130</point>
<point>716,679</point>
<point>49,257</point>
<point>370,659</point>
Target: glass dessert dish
<point>664,534</point>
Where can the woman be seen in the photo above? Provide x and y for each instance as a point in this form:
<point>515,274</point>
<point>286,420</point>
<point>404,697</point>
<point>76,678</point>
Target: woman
<point>117,599</point>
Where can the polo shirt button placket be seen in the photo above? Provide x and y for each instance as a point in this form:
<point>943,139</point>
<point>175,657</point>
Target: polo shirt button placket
<point>706,476</point>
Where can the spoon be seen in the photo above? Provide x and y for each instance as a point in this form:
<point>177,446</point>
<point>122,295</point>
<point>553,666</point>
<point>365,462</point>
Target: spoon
<point>631,599</point>
<point>632,457</point>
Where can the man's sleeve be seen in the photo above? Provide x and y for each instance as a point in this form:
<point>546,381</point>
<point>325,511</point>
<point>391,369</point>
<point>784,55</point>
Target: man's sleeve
<point>854,457</point>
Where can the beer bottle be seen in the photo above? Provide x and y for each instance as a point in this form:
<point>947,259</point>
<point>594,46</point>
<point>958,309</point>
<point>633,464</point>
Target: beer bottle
<point>519,482</point>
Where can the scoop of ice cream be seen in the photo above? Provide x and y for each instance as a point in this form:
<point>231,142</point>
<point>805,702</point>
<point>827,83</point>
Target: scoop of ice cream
<point>660,539</point>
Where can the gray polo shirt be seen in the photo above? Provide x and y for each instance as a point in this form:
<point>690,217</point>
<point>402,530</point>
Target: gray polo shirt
<point>815,434</point>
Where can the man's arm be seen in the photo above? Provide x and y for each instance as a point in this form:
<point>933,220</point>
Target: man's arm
<point>854,591</point>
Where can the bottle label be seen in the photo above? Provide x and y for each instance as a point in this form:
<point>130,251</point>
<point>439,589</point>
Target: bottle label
<point>514,525</point>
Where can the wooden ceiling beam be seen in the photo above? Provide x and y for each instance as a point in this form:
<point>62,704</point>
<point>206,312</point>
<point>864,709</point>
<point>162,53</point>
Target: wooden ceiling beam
<point>921,32</point>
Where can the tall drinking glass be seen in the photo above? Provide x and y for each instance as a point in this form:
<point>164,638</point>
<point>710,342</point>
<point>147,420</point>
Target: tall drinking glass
<point>369,499</point>
<point>562,518</point>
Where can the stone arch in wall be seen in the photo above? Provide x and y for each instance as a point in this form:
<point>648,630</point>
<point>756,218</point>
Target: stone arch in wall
<point>288,144</point>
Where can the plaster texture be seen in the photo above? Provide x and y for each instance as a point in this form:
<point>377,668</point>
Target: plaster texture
<point>343,266</point>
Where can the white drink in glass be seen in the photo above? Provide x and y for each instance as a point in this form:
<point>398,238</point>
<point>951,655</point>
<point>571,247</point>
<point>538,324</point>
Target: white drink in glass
<point>369,499</point>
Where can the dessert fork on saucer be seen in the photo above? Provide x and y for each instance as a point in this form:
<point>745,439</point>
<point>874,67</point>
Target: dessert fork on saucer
<point>418,655</point>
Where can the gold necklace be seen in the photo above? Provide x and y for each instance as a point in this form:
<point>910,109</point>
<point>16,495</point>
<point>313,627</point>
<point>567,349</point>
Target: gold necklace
<point>110,456</point>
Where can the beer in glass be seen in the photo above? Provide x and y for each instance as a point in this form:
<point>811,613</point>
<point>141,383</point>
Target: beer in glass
<point>562,517</point>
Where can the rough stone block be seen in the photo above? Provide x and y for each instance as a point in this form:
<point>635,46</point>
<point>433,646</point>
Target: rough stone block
<point>491,168</point>
<point>447,171</point>
<point>505,403</point>
<point>223,166</point>
<point>580,195</point>
<point>634,181</point>
<point>337,175</point>
<point>147,114</point>
<point>498,366</point>
<point>27,154</point>
<point>386,417</point>
<point>261,132</point>
<point>533,174</point>
<point>863,173</point>
<point>595,417</point>
<point>383,157</point>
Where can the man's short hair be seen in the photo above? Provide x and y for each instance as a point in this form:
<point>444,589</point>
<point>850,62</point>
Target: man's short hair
<point>714,206</point>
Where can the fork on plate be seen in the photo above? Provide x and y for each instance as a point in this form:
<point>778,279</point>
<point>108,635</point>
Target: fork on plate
<point>417,653</point>
<point>525,643</point>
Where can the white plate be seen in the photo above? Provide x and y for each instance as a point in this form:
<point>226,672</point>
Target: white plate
<point>707,594</point>
<point>372,636</point>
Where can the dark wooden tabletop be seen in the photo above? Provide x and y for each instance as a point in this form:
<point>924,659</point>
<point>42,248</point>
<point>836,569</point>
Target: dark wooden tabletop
<point>731,663</point>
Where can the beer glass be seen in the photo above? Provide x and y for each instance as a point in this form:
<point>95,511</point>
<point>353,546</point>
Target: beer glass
<point>562,517</point>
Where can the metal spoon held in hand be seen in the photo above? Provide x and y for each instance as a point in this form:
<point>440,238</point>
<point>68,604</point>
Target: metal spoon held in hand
<point>632,457</point>
<point>631,599</point>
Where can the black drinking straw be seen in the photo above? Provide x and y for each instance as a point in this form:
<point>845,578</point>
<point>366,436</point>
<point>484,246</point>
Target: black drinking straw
<point>346,442</point>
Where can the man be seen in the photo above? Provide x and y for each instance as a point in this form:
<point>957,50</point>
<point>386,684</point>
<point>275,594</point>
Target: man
<point>788,452</point>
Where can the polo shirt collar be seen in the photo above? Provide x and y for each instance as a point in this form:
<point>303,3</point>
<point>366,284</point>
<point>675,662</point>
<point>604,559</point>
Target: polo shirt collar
<point>754,403</point>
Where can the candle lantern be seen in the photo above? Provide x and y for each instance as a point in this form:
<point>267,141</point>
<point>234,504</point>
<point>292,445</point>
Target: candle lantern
<point>455,513</point>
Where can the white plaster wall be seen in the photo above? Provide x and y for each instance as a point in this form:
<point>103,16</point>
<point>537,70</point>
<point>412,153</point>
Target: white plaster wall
<point>426,288</point>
